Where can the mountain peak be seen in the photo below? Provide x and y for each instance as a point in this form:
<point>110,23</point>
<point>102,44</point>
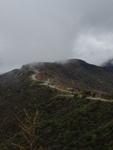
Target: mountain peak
<point>73,73</point>
<point>76,61</point>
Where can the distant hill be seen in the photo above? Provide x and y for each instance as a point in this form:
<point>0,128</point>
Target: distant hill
<point>63,121</point>
<point>76,74</point>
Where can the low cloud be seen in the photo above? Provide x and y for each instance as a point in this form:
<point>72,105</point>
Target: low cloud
<point>49,30</point>
<point>94,48</point>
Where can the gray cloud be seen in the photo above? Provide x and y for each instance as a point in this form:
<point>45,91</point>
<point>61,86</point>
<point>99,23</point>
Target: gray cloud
<point>47,30</point>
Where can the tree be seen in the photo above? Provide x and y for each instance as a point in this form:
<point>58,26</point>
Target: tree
<point>28,130</point>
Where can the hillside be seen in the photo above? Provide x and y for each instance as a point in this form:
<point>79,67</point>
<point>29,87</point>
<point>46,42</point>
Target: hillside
<point>75,74</point>
<point>63,122</point>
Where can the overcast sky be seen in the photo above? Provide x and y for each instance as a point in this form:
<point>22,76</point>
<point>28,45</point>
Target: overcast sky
<point>48,30</point>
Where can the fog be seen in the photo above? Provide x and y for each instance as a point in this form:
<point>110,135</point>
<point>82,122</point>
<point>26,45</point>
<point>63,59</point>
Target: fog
<point>50,30</point>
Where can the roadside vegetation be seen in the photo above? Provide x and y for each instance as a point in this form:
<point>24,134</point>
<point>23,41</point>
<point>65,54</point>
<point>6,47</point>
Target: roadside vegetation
<point>37,117</point>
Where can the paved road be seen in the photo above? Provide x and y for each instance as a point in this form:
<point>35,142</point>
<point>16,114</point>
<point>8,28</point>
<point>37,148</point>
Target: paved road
<point>100,99</point>
<point>69,94</point>
<point>47,83</point>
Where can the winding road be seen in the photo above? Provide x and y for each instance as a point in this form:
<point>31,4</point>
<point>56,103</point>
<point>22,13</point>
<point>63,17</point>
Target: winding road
<point>69,94</point>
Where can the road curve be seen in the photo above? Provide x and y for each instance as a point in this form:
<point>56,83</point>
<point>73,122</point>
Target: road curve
<point>46,83</point>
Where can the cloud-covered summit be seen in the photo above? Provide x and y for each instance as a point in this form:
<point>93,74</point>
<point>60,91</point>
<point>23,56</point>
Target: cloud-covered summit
<point>48,30</point>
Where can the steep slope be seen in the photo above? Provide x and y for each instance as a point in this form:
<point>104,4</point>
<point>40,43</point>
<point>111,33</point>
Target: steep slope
<point>75,74</point>
<point>64,123</point>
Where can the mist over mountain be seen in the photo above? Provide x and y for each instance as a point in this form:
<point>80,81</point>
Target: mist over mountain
<point>56,75</point>
<point>108,63</point>
<point>68,104</point>
<point>73,73</point>
<point>54,30</point>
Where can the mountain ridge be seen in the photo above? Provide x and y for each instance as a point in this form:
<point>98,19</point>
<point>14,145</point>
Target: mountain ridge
<point>60,121</point>
<point>74,73</point>
<point>77,74</point>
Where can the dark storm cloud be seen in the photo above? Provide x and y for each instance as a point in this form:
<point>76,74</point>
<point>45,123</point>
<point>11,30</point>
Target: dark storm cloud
<point>41,30</point>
